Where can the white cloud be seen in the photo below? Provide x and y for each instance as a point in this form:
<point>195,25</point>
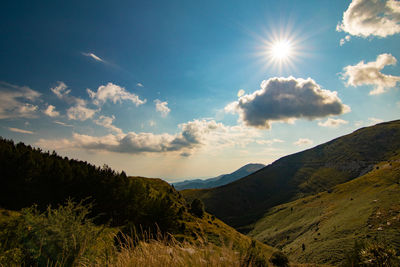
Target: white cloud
<point>344,40</point>
<point>113,93</point>
<point>152,123</point>
<point>374,121</point>
<point>60,90</point>
<point>286,99</point>
<point>80,111</point>
<point>107,123</point>
<point>269,142</point>
<point>14,101</point>
<point>303,142</point>
<point>91,55</point>
<point>139,85</point>
<point>162,107</point>
<point>366,18</point>
<point>20,130</point>
<point>51,111</point>
<point>192,136</point>
<point>332,123</point>
<point>370,74</point>
<point>240,92</point>
<point>63,124</point>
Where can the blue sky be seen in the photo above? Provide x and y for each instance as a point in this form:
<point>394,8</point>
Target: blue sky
<point>152,87</point>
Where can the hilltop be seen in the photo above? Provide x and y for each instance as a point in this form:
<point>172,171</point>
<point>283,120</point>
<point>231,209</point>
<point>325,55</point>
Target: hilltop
<point>245,201</point>
<point>219,180</point>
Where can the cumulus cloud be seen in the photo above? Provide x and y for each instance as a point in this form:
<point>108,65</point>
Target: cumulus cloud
<point>20,130</point>
<point>93,56</point>
<point>366,18</point>
<point>14,101</point>
<point>332,123</point>
<point>113,93</point>
<point>240,92</point>
<point>162,107</point>
<point>60,90</point>
<point>303,142</point>
<point>51,111</point>
<point>107,123</point>
<point>193,135</point>
<point>370,74</point>
<point>286,99</point>
<point>80,111</point>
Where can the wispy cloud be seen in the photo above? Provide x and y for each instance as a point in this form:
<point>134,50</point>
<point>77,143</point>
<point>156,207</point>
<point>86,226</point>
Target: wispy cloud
<point>60,90</point>
<point>63,124</point>
<point>20,130</point>
<point>93,56</point>
<point>162,107</point>
<point>269,142</point>
<point>139,85</point>
<point>16,101</point>
<point>107,123</point>
<point>332,123</point>
<point>303,142</point>
<point>366,18</point>
<point>80,111</point>
<point>370,74</point>
<point>286,99</point>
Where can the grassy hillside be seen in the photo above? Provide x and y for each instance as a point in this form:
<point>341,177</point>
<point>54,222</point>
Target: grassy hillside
<point>319,169</point>
<point>220,180</point>
<point>116,203</point>
<point>364,209</point>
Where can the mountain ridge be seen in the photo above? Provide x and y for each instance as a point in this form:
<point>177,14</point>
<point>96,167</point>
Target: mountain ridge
<point>308,172</point>
<point>219,180</point>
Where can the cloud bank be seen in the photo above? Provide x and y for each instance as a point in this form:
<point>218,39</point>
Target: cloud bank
<point>370,74</point>
<point>286,99</point>
<point>193,135</point>
<point>366,18</point>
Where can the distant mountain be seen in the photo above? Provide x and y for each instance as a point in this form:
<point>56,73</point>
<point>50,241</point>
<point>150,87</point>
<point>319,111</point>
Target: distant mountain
<point>219,180</point>
<point>243,202</point>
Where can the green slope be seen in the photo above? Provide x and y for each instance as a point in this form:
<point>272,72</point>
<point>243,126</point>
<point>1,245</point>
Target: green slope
<point>30,176</point>
<point>366,208</point>
<point>243,202</point>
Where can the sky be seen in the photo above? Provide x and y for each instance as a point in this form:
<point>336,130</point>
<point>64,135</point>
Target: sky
<point>194,89</point>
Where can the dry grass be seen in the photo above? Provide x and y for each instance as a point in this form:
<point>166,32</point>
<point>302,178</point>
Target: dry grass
<point>167,251</point>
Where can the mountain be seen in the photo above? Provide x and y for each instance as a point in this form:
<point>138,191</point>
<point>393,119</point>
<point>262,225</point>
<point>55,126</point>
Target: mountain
<point>366,209</point>
<point>219,180</point>
<point>245,201</point>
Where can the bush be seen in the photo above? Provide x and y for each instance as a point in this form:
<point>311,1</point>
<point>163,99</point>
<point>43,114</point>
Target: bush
<point>64,236</point>
<point>197,208</point>
<point>254,256</point>
<point>279,259</point>
<point>371,254</point>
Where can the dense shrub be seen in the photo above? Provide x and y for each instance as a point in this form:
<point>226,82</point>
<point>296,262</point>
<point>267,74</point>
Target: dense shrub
<point>197,208</point>
<point>64,236</point>
<point>279,259</point>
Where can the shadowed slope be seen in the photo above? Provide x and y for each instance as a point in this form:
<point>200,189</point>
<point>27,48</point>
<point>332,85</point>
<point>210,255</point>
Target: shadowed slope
<point>243,202</point>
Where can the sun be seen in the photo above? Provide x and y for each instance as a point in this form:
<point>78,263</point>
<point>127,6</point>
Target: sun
<point>280,50</point>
